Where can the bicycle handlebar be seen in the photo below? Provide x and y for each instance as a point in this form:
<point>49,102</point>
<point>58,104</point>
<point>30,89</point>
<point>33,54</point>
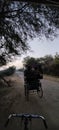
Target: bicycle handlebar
<point>26,116</point>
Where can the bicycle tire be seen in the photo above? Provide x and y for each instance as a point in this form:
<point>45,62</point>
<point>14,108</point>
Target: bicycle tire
<point>40,91</point>
<point>25,89</point>
<point>26,92</point>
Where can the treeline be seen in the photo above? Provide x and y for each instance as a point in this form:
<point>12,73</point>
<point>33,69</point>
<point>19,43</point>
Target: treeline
<point>50,64</point>
<point>21,69</point>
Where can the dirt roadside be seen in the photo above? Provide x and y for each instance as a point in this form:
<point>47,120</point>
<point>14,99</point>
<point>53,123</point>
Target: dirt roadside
<point>12,100</point>
<point>7,97</point>
<point>56,79</point>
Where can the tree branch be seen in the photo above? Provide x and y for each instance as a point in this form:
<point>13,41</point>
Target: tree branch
<point>46,2</point>
<point>16,10</point>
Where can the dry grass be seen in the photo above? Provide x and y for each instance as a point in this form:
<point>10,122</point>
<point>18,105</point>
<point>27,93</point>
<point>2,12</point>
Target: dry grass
<point>56,79</point>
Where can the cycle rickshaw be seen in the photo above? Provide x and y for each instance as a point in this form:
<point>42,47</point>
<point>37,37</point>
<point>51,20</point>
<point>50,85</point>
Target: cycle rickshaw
<point>33,84</point>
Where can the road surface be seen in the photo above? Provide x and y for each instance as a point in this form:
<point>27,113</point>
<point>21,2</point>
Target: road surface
<point>48,106</point>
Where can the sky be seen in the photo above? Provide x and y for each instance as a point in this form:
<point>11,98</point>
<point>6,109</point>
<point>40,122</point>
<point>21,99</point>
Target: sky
<point>44,47</point>
<point>39,48</point>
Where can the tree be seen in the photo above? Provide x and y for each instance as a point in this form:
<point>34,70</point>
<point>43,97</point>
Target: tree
<point>56,59</point>
<point>5,73</point>
<point>31,61</point>
<point>20,21</point>
<point>50,64</point>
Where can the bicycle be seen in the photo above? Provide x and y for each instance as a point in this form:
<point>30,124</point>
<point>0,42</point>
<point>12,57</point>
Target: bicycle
<point>33,87</point>
<point>26,118</point>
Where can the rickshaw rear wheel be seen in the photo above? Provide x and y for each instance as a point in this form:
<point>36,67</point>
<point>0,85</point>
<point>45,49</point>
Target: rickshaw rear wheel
<point>40,91</point>
<point>26,92</point>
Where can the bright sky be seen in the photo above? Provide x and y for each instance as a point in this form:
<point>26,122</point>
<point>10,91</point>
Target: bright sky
<point>43,47</point>
<point>39,48</point>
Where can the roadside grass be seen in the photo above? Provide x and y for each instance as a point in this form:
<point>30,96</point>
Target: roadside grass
<point>52,78</point>
<point>5,89</point>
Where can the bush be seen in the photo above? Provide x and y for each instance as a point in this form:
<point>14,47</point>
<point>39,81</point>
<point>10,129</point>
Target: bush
<point>8,71</point>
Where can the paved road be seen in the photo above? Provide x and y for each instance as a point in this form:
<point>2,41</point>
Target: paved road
<point>48,106</point>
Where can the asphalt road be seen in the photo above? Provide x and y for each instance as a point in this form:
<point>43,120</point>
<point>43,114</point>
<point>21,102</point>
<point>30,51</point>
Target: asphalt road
<point>48,106</point>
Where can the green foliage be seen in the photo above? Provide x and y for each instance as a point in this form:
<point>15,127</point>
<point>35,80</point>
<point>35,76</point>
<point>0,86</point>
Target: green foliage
<point>20,21</point>
<point>7,72</point>
<point>56,58</point>
<point>30,61</point>
<point>33,62</point>
<point>50,64</point>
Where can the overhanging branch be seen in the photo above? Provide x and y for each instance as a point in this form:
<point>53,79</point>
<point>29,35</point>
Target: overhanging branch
<point>46,2</point>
